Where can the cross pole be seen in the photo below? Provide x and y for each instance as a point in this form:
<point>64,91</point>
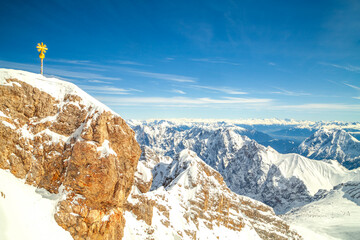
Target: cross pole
<point>42,49</point>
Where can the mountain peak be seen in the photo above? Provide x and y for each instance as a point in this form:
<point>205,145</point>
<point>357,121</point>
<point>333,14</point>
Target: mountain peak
<point>56,88</point>
<point>334,144</point>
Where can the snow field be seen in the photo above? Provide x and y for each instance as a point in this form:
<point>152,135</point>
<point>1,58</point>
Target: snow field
<point>27,212</point>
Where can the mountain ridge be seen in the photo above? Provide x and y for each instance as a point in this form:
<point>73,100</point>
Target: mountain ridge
<point>198,192</point>
<point>248,168</point>
<point>332,144</point>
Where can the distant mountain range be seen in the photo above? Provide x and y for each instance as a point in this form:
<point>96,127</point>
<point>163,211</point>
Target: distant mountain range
<point>282,181</point>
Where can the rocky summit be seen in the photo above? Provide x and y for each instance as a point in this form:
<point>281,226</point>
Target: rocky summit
<point>56,137</point>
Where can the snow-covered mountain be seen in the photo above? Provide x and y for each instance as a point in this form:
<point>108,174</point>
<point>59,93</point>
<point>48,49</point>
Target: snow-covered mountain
<point>282,181</point>
<point>332,144</point>
<point>334,215</point>
<point>189,200</point>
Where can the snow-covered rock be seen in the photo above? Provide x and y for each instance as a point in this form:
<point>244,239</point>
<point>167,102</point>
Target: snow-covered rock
<point>56,137</point>
<point>332,144</point>
<point>191,201</point>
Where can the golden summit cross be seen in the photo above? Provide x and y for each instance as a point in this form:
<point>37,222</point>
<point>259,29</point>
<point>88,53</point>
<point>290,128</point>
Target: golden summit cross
<point>42,49</point>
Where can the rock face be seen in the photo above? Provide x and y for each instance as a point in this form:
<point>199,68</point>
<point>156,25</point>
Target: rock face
<point>58,138</point>
<point>190,200</point>
<point>332,144</point>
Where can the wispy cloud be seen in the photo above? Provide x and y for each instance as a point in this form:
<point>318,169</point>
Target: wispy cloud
<point>350,68</point>
<point>107,78</point>
<point>226,90</point>
<point>57,72</point>
<point>215,60</point>
<point>68,61</point>
<point>182,101</point>
<point>352,86</point>
<point>99,81</point>
<point>335,82</point>
<point>321,106</point>
<point>107,90</point>
<point>290,93</point>
<point>96,77</point>
<point>126,62</point>
<point>79,64</point>
<point>271,63</point>
<point>178,91</point>
<point>164,76</point>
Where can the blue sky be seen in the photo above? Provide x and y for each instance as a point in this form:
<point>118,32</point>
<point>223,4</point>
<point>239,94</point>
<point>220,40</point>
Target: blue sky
<point>196,59</point>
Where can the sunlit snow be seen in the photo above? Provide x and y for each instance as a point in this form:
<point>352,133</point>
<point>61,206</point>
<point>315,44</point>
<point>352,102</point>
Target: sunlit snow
<point>27,212</point>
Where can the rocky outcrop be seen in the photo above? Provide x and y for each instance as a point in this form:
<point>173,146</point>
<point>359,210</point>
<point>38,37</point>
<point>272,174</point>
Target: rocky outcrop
<point>190,200</point>
<point>58,138</point>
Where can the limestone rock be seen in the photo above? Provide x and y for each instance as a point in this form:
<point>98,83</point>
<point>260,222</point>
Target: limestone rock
<point>71,144</point>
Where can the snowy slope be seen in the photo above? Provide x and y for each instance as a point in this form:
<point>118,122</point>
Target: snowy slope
<point>336,215</point>
<point>315,175</point>
<point>191,201</point>
<point>27,212</point>
<point>332,144</point>
<point>282,181</point>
